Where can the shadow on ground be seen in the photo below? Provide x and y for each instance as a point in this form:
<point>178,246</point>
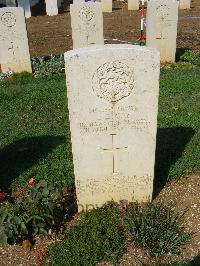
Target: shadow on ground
<point>180,52</point>
<point>23,154</point>
<point>170,145</point>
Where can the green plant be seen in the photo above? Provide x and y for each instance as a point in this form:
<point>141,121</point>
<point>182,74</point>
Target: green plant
<point>43,66</point>
<point>156,228</point>
<point>32,210</point>
<point>191,57</point>
<point>98,237</point>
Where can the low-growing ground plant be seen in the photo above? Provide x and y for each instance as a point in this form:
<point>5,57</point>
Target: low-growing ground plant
<point>98,237</point>
<point>156,228</point>
<point>31,210</point>
<point>43,66</point>
<point>191,57</point>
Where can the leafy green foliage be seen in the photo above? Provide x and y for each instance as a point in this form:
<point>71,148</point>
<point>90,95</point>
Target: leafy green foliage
<point>33,210</point>
<point>98,237</point>
<point>191,57</point>
<point>43,66</point>
<point>156,228</point>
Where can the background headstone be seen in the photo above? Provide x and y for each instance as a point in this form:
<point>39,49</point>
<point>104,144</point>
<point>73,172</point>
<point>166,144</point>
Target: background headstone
<point>10,3</point>
<point>59,3</point>
<point>184,4</point>
<point>133,4</point>
<point>87,24</point>
<point>25,4</point>
<point>106,5</point>
<point>113,103</point>
<point>161,27</point>
<point>51,7</point>
<point>14,49</point>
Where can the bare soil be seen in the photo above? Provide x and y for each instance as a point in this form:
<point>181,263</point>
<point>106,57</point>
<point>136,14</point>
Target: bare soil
<point>52,35</point>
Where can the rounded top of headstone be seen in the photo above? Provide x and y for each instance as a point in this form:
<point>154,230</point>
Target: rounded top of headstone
<point>97,48</point>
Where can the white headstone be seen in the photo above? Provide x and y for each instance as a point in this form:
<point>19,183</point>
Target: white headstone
<point>25,4</point>
<point>113,103</point>
<point>14,49</point>
<point>51,7</point>
<point>184,4</point>
<point>106,5</point>
<point>87,24</point>
<point>133,4</point>
<point>10,3</point>
<point>161,27</point>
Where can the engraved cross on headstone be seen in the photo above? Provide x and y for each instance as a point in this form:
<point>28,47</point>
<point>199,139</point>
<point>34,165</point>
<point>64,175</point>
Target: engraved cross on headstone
<point>114,150</point>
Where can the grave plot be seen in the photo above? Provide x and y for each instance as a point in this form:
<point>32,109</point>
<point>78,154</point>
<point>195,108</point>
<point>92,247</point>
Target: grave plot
<point>99,147</point>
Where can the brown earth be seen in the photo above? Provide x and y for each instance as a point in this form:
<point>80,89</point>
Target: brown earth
<point>52,35</point>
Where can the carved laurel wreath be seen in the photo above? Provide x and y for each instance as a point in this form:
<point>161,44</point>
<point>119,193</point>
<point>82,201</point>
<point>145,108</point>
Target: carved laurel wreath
<point>113,81</point>
<point>8,19</point>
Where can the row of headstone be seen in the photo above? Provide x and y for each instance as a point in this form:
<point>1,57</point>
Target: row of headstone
<point>135,4</point>
<point>52,6</point>
<point>161,26</point>
<point>87,29</point>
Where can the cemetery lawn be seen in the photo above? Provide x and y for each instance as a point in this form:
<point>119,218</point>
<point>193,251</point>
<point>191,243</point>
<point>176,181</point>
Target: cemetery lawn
<point>35,142</point>
<point>35,133</point>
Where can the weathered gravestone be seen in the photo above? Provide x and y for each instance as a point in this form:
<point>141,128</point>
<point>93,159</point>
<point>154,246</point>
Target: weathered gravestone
<point>161,27</point>
<point>25,4</point>
<point>51,7</point>
<point>14,49</point>
<point>133,4</point>
<point>87,24</point>
<point>113,102</point>
<point>184,4</point>
<point>106,5</point>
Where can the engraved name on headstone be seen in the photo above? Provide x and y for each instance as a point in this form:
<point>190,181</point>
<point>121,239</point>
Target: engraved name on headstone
<point>14,49</point>
<point>113,101</point>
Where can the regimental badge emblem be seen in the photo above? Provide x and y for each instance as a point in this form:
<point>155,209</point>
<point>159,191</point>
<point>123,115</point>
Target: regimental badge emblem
<point>113,81</point>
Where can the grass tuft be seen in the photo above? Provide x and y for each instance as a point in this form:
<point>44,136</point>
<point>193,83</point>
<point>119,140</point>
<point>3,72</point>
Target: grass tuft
<point>99,237</point>
<point>156,228</point>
